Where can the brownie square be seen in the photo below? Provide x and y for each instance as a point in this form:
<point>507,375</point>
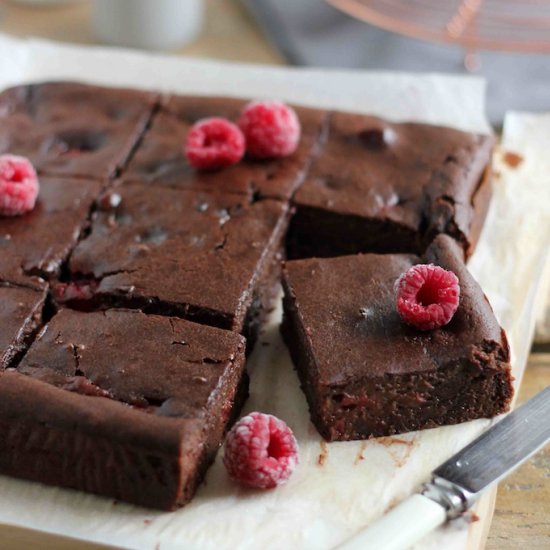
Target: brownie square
<point>72,129</point>
<point>377,186</point>
<point>34,246</point>
<point>365,372</point>
<point>121,404</point>
<point>20,318</point>
<point>209,257</point>
<point>160,157</point>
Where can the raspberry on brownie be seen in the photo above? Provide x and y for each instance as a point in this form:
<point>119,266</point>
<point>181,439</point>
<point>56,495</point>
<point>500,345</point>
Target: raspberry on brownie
<point>34,246</point>
<point>377,186</point>
<point>160,158</point>
<point>72,129</point>
<point>20,318</point>
<point>366,372</point>
<point>121,404</point>
<point>209,257</point>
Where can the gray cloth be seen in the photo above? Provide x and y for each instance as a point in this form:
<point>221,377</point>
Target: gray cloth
<point>312,33</point>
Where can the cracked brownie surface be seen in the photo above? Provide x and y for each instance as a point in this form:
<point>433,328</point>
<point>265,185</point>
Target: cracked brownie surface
<point>160,157</point>
<point>72,129</point>
<point>377,186</point>
<point>192,254</point>
<point>20,317</point>
<point>34,246</point>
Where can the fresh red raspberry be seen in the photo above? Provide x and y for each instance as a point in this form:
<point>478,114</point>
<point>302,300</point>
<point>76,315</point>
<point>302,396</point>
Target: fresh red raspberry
<point>214,143</point>
<point>260,451</point>
<point>271,129</point>
<point>18,185</point>
<point>427,296</point>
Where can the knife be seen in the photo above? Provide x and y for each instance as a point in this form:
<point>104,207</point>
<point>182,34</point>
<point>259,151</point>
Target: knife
<point>460,481</point>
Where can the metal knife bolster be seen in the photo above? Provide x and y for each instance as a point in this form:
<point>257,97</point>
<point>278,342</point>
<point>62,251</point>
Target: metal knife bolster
<point>450,496</point>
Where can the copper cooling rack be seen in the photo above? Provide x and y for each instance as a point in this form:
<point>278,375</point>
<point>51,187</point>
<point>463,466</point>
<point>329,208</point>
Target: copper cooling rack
<point>513,25</point>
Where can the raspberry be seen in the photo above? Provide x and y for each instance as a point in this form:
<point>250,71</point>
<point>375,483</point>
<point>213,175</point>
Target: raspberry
<point>18,185</point>
<point>427,296</point>
<point>260,451</point>
<point>271,129</point>
<point>214,143</point>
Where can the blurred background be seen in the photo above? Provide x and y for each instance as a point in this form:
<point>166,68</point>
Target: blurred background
<point>506,41</point>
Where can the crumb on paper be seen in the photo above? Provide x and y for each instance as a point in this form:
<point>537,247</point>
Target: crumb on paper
<point>513,160</point>
<point>147,521</point>
<point>474,517</point>
<point>323,455</point>
<point>360,456</point>
<point>399,458</point>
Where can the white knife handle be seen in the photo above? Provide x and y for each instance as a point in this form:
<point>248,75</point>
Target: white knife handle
<point>401,527</point>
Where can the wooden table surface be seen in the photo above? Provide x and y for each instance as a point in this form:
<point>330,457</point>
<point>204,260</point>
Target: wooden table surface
<point>522,515</point>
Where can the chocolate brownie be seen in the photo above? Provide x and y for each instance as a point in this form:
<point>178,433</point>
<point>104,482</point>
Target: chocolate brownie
<point>72,129</point>
<point>365,372</point>
<point>160,158</point>
<point>382,187</point>
<point>210,257</point>
<point>20,318</point>
<point>34,246</point>
<point>121,404</point>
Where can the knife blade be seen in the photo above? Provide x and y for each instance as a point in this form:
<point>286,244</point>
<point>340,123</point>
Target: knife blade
<point>460,481</point>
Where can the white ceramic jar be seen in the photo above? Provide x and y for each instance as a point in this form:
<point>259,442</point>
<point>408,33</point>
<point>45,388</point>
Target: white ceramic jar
<point>148,24</point>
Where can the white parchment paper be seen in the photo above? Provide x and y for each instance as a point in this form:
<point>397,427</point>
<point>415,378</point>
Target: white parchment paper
<point>339,487</point>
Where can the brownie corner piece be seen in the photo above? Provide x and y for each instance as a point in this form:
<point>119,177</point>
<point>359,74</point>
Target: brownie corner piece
<point>401,185</point>
<point>121,404</point>
<point>367,374</point>
<point>74,129</point>
<point>20,318</point>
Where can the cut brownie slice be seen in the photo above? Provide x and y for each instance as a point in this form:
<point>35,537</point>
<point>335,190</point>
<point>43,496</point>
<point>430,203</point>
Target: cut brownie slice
<point>205,256</point>
<point>365,372</point>
<point>34,246</point>
<point>72,129</point>
<point>160,157</point>
<point>20,318</point>
<point>121,404</point>
<point>383,187</point>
